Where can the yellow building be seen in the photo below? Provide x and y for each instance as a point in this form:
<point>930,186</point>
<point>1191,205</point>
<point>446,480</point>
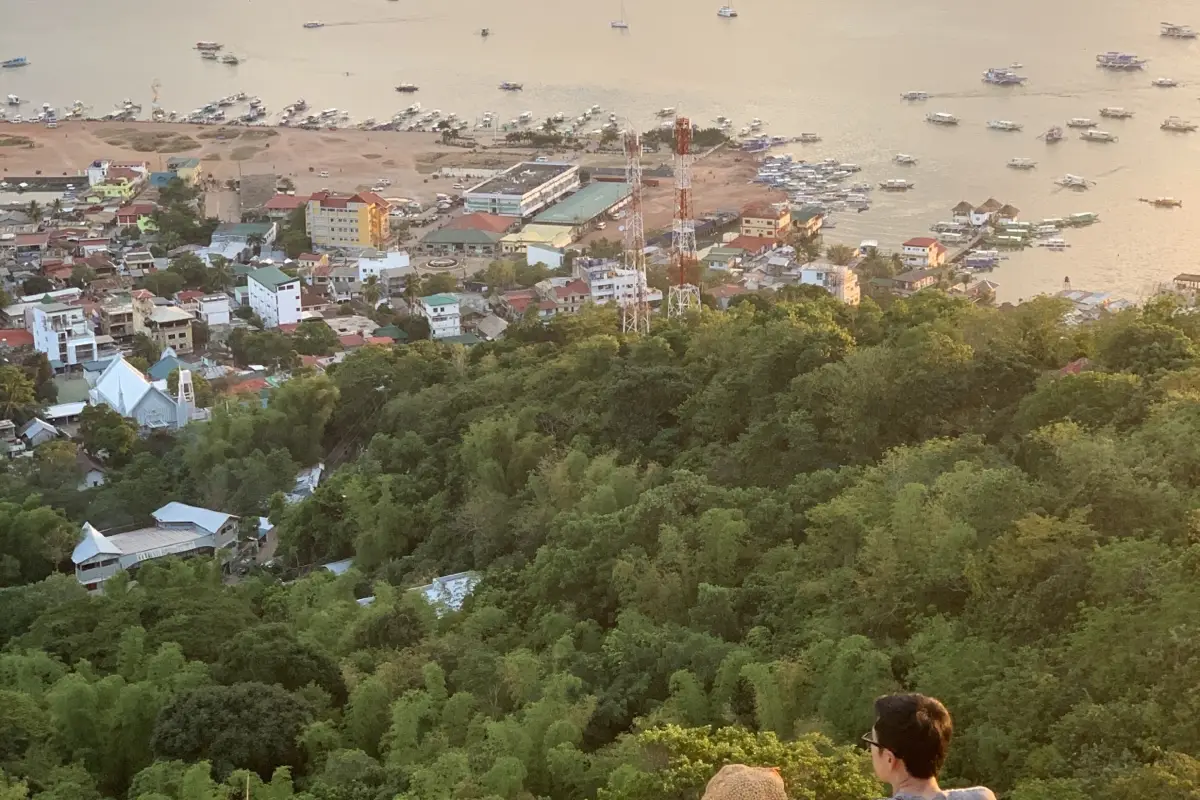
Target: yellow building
<point>768,221</point>
<point>359,220</point>
<point>546,235</point>
<point>186,169</point>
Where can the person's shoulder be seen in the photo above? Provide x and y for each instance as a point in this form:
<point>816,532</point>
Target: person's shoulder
<point>972,793</point>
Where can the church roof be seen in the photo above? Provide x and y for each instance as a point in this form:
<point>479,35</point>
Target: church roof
<point>121,386</point>
<point>92,544</point>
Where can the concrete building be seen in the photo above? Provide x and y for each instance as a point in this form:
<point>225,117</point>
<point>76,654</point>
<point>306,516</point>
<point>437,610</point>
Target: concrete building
<point>610,283</point>
<point>766,220</point>
<point>213,309</point>
<point>807,221</point>
<point>358,220</point>
<point>373,263</point>
<point>552,257</point>
<point>171,326</point>
<point>523,189</point>
<point>178,530</point>
<point>131,394</point>
<point>914,280</point>
<point>63,333</point>
<point>281,206</point>
<point>442,313</point>
<point>274,296</point>
<point>923,252</point>
<point>841,282</point>
<point>471,234</point>
<point>557,236</point>
<point>584,210</point>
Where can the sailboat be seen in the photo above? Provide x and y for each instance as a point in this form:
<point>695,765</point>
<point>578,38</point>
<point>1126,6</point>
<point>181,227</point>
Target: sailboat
<point>620,23</point>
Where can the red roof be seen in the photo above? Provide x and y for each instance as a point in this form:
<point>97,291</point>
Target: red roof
<point>58,273</point>
<point>518,303</point>
<point>921,241</point>
<point>289,327</point>
<point>249,386</point>
<point>322,271</point>
<point>310,361</point>
<point>15,337</point>
<point>27,239</point>
<point>481,222</point>
<point>187,295</point>
<point>547,305</point>
<point>309,299</point>
<point>142,294</point>
<point>380,340</point>
<point>331,200</point>
<point>141,209</point>
<point>727,290</point>
<point>754,244</point>
<point>352,340</point>
<point>309,257</point>
<point>763,211</point>
<point>369,197</point>
<point>285,202</point>
<point>118,173</point>
<point>938,247</point>
<point>575,287</point>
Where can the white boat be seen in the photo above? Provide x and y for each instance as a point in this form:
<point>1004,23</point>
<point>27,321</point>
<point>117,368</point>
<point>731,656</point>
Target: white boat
<point>1093,135</point>
<point>329,113</point>
<point>953,238</point>
<point>314,24</point>
<point>1054,134</point>
<point>727,12</point>
<point>1004,125</point>
<point>525,116</point>
<point>1115,112</point>
<point>620,24</point>
<point>1178,124</point>
<point>665,111</point>
<point>1022,163</point>
<point>13,100</point>
<point>1164,83</point>
<point>915,96</point>
<point>208,55</point>
<point>809,138</point>
<point>904,158</point>
<point>1070,181</point>
<point>896,185</point>
<point>755,124</point>
<point>941,118</point>
<point>1081,122</point>
<point>230,59</point>
<point>1174,31</point>
<point>1055,243</point>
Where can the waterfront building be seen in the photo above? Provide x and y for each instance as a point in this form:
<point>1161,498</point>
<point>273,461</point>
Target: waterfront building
<point>766,220</point>
<point>274,296</point>
<point>923,252</point>
<point>358,220</point>
<point>523,189</point>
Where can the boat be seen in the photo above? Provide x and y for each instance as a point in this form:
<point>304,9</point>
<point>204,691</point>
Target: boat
<point>953,238</point>
<point>1003,76</point>
<point>209,45</point>
<point>904,158</point>
<point>1022,163</point>
<point>1120,61</point>
<point>1162,202</point>
<point>509,86</point>
<point>1055,243</point>
<point>485,32</point>
<point>941,118</point>
<point>1115,112</point>
<point>666,111</point>
<point>755,124</point>
<point>1173,31</point>
<point>209,55</point>
<point>13,100</point>
<point>896,185</point>
<point>915,96</point>
<point>1092,135</point>
<point>1178,124</point>
<point>1004,125</point>
<point>1081,122</point>
<point>1164,83</point>
<point>1070,181</point>
<point>727,12</point>
<point>407,87</point>
<point>19,61</point>
<point>619,23</point>
<point>314,24</point>
<point>1082,218</point>
<point>1053,134</point>
<point>808,138</point>
<point>329,113</point>
<point>1016,65</point>
<point>230,59</point>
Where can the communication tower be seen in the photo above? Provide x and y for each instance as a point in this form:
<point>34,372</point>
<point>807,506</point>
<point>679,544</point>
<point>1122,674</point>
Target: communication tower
<point>635,311</point>
<point>684,296</point>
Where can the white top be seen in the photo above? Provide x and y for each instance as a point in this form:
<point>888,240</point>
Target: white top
<point>92,544</point>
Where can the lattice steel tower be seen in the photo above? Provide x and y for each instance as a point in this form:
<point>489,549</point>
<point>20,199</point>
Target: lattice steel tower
<point>684,295</point>
<point>635,311</point>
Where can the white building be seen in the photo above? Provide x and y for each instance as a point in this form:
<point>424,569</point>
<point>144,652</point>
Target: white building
<point>62,332</point>
<point>179,530</point>
<point>522,190</point>
<point>442,313</point>
<point>552,257</point>
<point>841,282</point>
<point>372,263</point>
<point>610,283</point>
<point>274,296</point>
<point>131,394</point>
<point>923,252</point>
<point>213,309</point>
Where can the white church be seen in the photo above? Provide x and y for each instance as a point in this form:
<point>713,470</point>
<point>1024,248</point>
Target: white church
<point>123,388</point>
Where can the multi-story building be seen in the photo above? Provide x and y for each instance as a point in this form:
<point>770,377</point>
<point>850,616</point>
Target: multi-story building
<point>117,319</point>
<point>923,252</point>
<point>274,296</point>
<point>171,326</point>
<point>523,189</point>
<point>766,220</point>
<point>359,220</point>
<point>442,313</point>
<point>62,332</point>
<point>841,282</point>
<point>609,283</point>
<point>213,309</point>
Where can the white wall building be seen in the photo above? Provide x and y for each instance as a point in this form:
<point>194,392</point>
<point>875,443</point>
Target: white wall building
<point>442,313</point>
<point>552,257</point>
<point>213,309</point>
<point>522,190</point>
<point>923,252</point>
<point>841,282</point>
<point>274,296</point>
<point>131,394</point>
<point>62,332</point>
<point>609,283</point>
<point>372,263</point>
<point>178,530</point>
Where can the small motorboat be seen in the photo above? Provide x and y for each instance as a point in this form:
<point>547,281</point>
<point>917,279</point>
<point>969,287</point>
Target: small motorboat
<point>1164,83</point>
<point>314,24</point>
<point>620,24</point>
<point>485,32</point>
<point>1178,124</point>
<point>1162,202</point>
<point>1092,135</point>
<point>1052,135</point>
<point>1070,181</point>
<point>1021,163</point>
<point>896,185</point>
<point>509,86</point>
<point>809,138</point>
<point>1081,122</point>
<point>1004,125</point>
<point>1115,112</point>
<point>407,87</point>
<point>915,96</point>
<point>905,159</point>
<point>230,59</point>
<point>727,12</point>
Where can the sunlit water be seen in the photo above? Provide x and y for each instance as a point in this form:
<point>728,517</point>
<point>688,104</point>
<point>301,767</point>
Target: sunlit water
<point>832,68</point>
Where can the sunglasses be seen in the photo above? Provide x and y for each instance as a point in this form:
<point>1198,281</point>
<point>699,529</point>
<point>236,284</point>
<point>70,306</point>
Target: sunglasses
<point>866,739</point>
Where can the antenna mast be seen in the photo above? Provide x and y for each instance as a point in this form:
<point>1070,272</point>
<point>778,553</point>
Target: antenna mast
<point>635,312</point>
<point>684,296</point>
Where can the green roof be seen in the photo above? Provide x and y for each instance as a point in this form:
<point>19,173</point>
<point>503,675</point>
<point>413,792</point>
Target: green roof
<point>462,338</point>
<point>244,228</point>
<point>461,236</point>
<point>805,213</point>
<point>585,205</point>
<point>725,252</point>
<point>440,300</point>
<point>271,277</point>
<point>392,332</point>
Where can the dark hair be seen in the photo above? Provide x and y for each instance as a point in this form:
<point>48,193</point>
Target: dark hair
<point>917,729</point>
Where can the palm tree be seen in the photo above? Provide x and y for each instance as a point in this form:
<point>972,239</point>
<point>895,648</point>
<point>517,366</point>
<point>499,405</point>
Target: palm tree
<point>34,210</point>
<point>371,291</point>
<point>839,254</point>
<point>56,208</point>
<point>220,277</point>
<point>256,241</point>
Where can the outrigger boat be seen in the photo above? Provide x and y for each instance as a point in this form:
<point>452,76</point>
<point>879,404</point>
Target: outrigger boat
<point>1164,83</point>
<point>508,86</point>
<point>1115,112</point>
<point>1162,202</point>
<point>1173,31</point>
<point>1120,61</point>
<point>1004,125</point>
<point>1177,124</point>
<point>915,96</point>
<point>407,87</point>
<point>1070,181</point>
<point>1052,135</point>
<point>1022,163</point>
<point>1097,136</point>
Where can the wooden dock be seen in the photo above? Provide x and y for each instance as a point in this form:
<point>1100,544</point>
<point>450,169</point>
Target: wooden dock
<point>961,253</point>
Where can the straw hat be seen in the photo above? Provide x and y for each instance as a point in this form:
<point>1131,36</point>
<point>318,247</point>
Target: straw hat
<point>740,782</point>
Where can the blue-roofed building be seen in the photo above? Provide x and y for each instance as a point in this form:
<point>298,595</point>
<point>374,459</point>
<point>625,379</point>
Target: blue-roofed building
<point>159,180</point>
<point>339,567</point>
<point>162,369</point>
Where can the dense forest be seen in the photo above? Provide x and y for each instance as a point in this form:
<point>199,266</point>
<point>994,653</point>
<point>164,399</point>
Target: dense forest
<point>715,543</point>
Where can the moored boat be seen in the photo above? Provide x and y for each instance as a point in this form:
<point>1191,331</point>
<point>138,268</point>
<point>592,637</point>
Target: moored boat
<point>1120,61</point>
<point>19,61</point>
<point>1053,134</point>
<point>1178,124</point>
<point>1173,31</point>
<point>1081,122</point>
<point>915,96</point>
<point>1164,83</point>
<point>1022,163</point>
<point>905,159</point>
<point>407,87</point>
<point>809,138</point>
<point>1093,135</point>
<point>509,86</point>
<point>1003,76</point>
<point>1004,125</point>
<point>727,12</point>
<point>941,118</point>
<point>1162,202</point>
<point>209,45</point>
<point>1070,181</point>
<point>314,24</point>
<point>1115,112</point>
<point>896,185</point>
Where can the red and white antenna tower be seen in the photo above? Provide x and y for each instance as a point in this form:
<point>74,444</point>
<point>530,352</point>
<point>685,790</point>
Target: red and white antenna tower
<point>684,296</point>
<point>635,311</point>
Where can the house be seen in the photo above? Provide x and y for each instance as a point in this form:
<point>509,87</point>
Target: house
<point>1184,282</point>
<point>609,283</point>
<point>235,241</point>
<point>313,300</point>
<point>37,432</point>
<point>807,221</point>
<point>475,234</point>
<point>213,309</point>
<point>178,530</point>
<point>359,220</point>
<point>391,332</point>
<point>723,295</point>
<point>306,483</point>
<point>923,252</point>
<point>169,326</point>
<point>442,313</point>
<point>274,296</point>
<point>62,332</point>
<point>127,391</point>
<point>135,215</point>
<point>766,220</point>
<point>169,362</point>
<point>986,212</point>
<point>185,168</point>
<point>551,257</point>
<point>569,297</point>
<point>915,280</point>
<point>91,474</point>
<point>723,258</point>
<point>839,281</point>
<point>1007,214</point>
<point>93,245</point>
<point>117,318</point>
<point>752,245</point>
<point>282,206</point>
<point>14,222</point>
<point>491,327</point>
<point>961,213</point>
<point>516,303</point>
<point>372,263</point>
<point>15,338</point>
<point>11,445</point>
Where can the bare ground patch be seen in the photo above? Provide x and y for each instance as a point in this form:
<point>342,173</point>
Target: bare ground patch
<point>244,153</point>
<point>372,156</point>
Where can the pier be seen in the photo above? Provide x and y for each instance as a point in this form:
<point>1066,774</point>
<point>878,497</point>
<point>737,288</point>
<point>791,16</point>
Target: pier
<point>962,251</point>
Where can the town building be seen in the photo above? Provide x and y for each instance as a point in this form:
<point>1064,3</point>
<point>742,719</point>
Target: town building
<point>772,221</point>
<point>358,220</point>
<point>923,252</point>
<point>611,283</point>
<point>178,530</point>
<point>117,318</point>
<point>235,241</point>
<point>475,234</point>
<point>558,236</point>
<point>585,210</point>
<point>551,257</point>
<point>213,309</point>
<point>373,263</point>
<point>915,280</point>
<point>282,206</point>
<point>523,189</point>
<point>985,213</point>
<point>961,213</point>
<point>274,296</point>
<point>135,215</point>
<point>442,313</point>
<point>723,258</point>
<point>63,333</point>
<point>124,389</point>
<point>170,326</point>
<point>807,221</point>
<point>841,282</point>
<point>185,168</point>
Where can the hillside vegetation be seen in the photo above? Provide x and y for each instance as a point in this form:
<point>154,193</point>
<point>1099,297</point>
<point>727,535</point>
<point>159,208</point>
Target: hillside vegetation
<point>716,543</point>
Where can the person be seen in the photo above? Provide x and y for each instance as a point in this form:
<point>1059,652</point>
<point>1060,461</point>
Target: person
<point>908,745</point>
